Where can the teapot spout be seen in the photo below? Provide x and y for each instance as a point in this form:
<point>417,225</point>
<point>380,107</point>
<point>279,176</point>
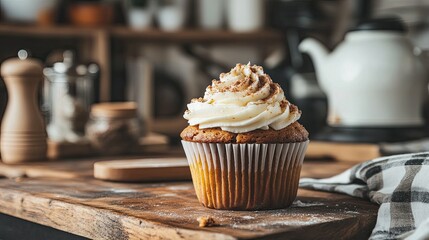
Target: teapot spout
<point>317,52</point>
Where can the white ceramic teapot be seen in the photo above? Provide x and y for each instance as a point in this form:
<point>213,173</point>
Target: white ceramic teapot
<point>374,78</point>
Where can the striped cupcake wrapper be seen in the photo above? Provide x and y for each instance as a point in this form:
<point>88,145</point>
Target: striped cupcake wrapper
<point>245,176</point>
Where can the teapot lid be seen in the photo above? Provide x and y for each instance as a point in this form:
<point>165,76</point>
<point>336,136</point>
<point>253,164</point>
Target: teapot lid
<point>380,24</point>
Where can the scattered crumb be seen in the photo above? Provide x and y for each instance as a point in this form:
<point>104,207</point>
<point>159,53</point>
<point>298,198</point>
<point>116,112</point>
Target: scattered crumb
<point>180,187</point>
<point>206,221</point>
<point>12,173</point>
<point>168,195</point>
<point>19,179</point>
<point>352,212</point>
<point>117,190</point>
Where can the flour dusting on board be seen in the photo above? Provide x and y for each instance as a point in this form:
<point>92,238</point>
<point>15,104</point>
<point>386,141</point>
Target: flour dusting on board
<point>298,203</point>
<point>352,212</point>
<point>168,195</point>
<point>254,221</point>
<point>282,223</point>
<point>123,190</point>
<point>180,187</point>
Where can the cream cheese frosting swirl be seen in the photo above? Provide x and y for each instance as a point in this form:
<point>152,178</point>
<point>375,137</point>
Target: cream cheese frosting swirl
<point>243,100</point>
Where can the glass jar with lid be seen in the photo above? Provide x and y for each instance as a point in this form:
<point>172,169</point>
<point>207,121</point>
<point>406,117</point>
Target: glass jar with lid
<point>68,95</point>
<point>113,128</point>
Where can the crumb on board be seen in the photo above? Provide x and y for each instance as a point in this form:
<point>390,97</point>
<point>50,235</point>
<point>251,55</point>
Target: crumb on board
<point>206,221</point>
<point>19,179</point>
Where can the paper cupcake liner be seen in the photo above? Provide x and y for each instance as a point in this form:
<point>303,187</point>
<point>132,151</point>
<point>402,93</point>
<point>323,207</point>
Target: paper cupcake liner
<point>245,176</point>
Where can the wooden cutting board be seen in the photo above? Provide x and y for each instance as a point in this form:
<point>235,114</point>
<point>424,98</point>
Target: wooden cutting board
<point>351,152</point>
<point>170,210</point>
<point>143,170</point>
<point>79,204</point>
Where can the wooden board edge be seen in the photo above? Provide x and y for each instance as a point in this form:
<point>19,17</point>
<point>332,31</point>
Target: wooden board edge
<point>143,170</point>
<point>343,151</point>
<point>135,175</point>
<point>55,214</point>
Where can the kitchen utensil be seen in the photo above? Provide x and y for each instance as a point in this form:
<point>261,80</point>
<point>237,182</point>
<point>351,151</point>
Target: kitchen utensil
<point>23,136</point>
<point>143,170</point>
<point>68,95</point>
<point>245,15</point>
<point>211,14</point>
<point>140,13</point>
<point>172,14</point>
<point>46,17</point>
<point>375,82</point>
<point>91,14</point>
<point>24,10</point>
<point>114,127</point>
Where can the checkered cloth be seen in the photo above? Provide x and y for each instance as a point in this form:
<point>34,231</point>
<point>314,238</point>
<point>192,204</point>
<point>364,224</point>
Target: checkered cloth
<point>399,183</point>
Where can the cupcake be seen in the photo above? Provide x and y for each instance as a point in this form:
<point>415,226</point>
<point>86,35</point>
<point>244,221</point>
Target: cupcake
<point>244,145</point>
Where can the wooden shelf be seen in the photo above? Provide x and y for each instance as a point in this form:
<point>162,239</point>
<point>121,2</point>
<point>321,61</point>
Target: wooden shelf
<point>96,43</point>
<point>48,31</point>
<point>196,35</point>
<point>187,35</point>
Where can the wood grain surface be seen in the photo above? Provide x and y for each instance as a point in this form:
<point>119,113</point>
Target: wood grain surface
<point>104,210</point>
<point>169,210</point>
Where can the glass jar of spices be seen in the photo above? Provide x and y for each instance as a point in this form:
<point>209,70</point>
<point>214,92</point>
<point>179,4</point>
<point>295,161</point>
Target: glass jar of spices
<point>113,128</point>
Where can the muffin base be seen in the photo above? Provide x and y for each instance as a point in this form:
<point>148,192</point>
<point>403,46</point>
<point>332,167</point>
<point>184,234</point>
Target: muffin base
<point>295,132</point>
<point>245,176</point>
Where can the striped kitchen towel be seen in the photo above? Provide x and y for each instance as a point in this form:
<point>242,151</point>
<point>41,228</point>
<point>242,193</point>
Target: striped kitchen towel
<point>399,183</point>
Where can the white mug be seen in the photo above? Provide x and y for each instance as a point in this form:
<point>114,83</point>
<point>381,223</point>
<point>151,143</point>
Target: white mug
<point>211,13</point>
<point>141,17</point>
<point>245,15</point>
<point>173,17</point>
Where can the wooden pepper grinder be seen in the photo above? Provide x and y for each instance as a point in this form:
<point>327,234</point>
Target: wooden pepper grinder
<point>23,133</point>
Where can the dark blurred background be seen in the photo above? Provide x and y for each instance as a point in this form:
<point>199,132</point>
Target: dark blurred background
<point>162,53</point>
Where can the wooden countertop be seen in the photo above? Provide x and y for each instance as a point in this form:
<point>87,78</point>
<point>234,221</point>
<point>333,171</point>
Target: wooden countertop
<point>63,195</point>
